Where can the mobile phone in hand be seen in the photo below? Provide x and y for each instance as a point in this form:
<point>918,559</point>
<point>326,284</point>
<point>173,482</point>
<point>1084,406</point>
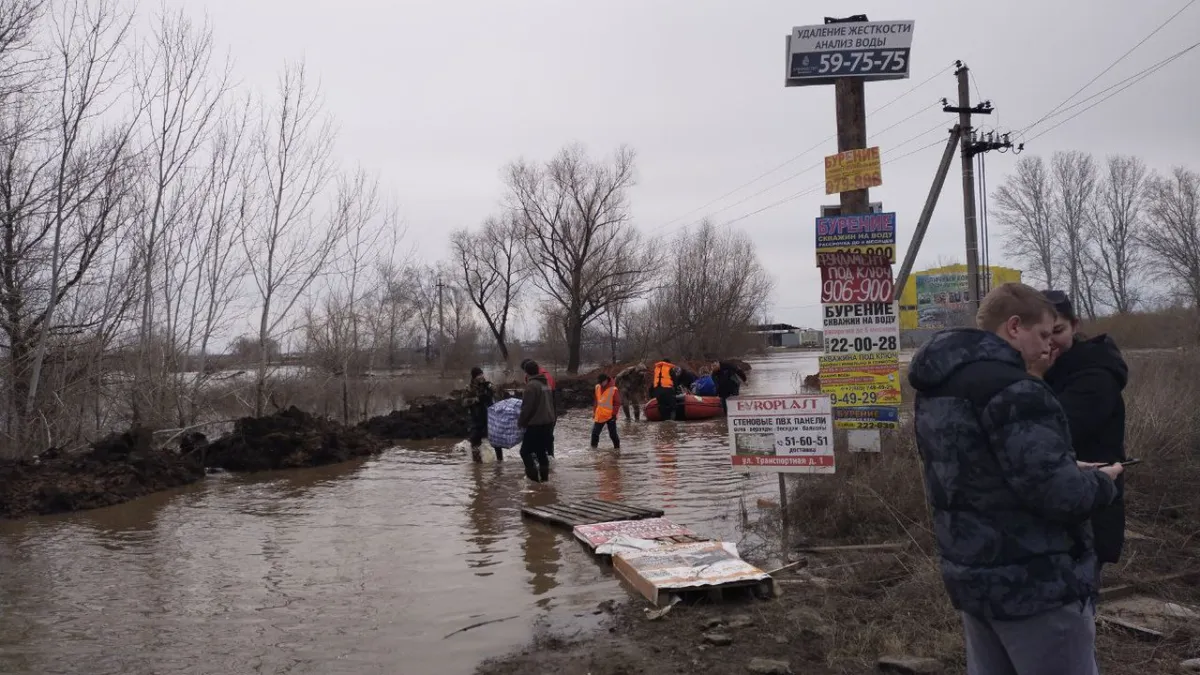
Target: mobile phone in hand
<point>1129,462</point>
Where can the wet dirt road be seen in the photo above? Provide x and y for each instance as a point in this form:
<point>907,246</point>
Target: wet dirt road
<point>368,567</point>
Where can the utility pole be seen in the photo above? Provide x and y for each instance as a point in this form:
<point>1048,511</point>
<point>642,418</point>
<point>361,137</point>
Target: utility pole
<point>851,110</point>
<point>852,135</point>
<point>931,201</point>
<point>971,146</point>
<point>965,111</point>
<point>441,328</point>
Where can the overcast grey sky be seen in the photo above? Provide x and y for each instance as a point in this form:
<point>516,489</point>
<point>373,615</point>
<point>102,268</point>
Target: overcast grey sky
<point>438,96</point>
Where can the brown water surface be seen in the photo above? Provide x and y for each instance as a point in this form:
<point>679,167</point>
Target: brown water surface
<point>366,567</point>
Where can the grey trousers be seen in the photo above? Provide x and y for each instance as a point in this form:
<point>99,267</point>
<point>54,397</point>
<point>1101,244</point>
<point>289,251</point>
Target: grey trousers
<point>1058,642</point>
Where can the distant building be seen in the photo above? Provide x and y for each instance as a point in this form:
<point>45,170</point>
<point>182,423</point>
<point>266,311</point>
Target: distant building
<point>937,298</point>
<point>787,335</point>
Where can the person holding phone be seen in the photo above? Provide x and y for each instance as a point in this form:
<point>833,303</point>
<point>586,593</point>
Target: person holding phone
<point>1088,377</point>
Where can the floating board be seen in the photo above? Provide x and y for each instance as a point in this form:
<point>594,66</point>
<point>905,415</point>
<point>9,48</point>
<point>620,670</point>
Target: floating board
<point>658,530</point>
<point>588,512</point>
<point>675,569</point>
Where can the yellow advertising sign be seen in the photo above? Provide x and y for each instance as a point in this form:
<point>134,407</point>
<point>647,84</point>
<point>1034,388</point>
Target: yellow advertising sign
<point>853,380</point>
<point>853,170</point>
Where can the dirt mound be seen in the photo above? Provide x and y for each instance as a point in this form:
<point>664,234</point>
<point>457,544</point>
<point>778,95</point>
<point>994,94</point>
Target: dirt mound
<point>115,469</point>
<point>288,439</point>
<point>425,417</point>
<point>698,366</point>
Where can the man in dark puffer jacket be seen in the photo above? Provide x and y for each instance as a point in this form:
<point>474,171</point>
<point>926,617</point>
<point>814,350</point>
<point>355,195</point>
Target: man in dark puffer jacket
<point>1010,502</point>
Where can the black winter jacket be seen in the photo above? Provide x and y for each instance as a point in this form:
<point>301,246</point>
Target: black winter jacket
<point>1010,506</point>
<point>1088,379</point>
<point>728,379</point>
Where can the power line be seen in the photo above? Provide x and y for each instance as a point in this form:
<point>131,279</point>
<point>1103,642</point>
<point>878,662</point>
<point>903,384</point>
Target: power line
<point>1110,66</point>
<point>1138,77</point>
<point>818,186</point>
<point>816,165</point>
<point>801,154</point>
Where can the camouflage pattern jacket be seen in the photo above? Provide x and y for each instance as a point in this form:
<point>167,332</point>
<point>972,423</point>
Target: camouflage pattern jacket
<point>1010,506</point>
<point>479,394</point>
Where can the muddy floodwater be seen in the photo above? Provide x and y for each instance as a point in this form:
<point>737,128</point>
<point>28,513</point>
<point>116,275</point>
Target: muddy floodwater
<point>369,567</point>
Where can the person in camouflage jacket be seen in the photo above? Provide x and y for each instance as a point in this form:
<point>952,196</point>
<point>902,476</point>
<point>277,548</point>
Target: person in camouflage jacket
<point>1010,502</point>
<point>479,396</point>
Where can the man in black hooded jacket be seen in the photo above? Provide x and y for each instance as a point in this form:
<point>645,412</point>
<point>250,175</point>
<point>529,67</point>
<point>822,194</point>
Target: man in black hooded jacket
<point>1010,502</point>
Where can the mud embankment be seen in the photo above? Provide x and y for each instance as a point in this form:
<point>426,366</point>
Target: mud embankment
<point>122,467</point>
<point>115,469</point>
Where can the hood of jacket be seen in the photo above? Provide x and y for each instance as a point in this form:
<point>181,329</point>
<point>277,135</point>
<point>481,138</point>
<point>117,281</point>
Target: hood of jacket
<point>950,350</point>
<point>1097,352</point>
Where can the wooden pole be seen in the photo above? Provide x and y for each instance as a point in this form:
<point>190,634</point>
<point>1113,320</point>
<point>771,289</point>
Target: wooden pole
<point>852,135</point>
<point>910,256</point>
<point>785,522</point>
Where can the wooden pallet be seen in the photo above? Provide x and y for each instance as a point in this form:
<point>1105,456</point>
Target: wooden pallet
<point>588,512</point>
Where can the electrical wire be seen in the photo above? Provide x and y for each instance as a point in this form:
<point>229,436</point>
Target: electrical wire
<point>814,188</point>
<point>1137,77</point>
<point>820,163</point>
<point>803,153</point>
<point>1110,66</point>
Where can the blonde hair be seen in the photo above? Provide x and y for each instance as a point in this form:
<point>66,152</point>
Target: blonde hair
<point>1012,299</point>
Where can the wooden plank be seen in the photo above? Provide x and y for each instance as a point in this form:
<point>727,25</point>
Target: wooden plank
<point>581,516</point>
<point>545,516</point>
<point>854,547</point>
<point>595,512</point>
<point>1129,625</point>
<point>620,510</point>
<point>638,511</point>
<point>1126,590</point>
<point>618,506</point>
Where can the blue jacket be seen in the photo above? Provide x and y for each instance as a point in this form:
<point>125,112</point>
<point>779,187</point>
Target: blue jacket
<point>1010,506</point>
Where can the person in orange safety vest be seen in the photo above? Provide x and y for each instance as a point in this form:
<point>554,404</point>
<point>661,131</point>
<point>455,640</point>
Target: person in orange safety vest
<point>662,388</point>
<point>607,402</point>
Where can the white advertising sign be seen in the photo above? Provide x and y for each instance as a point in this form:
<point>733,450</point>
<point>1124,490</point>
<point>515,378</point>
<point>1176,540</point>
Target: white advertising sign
<point>781,434</point>
<point>870,50</point>
<point>865,328</point>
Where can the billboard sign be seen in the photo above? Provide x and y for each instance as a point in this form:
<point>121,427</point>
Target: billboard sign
<point>868,379</point>
<point>870,50</point>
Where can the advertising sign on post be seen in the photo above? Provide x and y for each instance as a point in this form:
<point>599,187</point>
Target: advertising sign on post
<point>870,50</point>
<point>853,170</point>
<point>841,284</point>
<point>869,235</point>
<point>861,379</point>
<point>781,434</point>
<point>866,417</point>
<point>870,328</point>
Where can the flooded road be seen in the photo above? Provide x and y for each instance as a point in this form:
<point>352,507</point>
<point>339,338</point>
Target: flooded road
<point>368,567</point>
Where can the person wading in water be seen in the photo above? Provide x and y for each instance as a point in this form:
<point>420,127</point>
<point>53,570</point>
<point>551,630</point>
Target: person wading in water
<point>607,400</point>
<point>537,419</point>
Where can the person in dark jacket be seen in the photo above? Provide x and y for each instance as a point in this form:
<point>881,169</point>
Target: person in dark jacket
<point>1010,502</point>
<point>1088,376</point>
<point>729,379</point>
<point>479,397</point>
<point>555,398</point>
<point>537,419</point>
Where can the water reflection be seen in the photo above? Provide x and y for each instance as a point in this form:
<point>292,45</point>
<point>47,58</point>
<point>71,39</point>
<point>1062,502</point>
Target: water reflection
<point>360,568</point>
<point>540,546</point>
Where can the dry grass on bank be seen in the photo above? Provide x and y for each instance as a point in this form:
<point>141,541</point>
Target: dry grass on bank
<point>894,603</point>
<point>1167,329</point>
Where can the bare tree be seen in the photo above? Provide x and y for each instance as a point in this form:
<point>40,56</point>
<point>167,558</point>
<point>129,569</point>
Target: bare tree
<point>1115,220</point>
<point>1172,231</point>
<point>183,92</point>
<point>714,288</point>
<point>288,246</point>
<point>1024,207</point>
<point>1073,185</point>
<point>492,268</point>
<point>584,253</point>
<point>424,294</point>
